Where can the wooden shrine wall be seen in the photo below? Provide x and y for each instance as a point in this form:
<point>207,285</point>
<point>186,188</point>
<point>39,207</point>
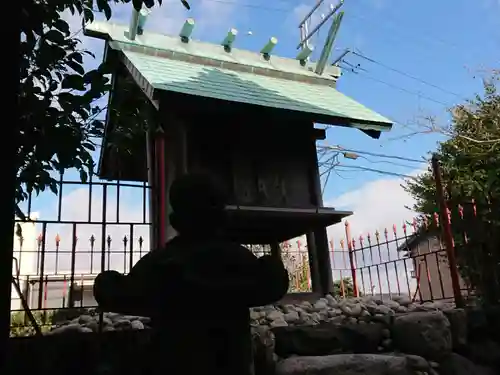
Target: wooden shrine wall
<point>260,165</point>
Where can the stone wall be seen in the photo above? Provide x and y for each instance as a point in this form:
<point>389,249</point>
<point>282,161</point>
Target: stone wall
<point>328,336</point>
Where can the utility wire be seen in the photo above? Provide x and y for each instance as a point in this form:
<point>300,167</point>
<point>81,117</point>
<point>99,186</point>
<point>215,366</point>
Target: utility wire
<point>380,171</point>
<point>402,89</point>
<point>397,157</point>
<point>385,162</point>
<point>406,74</point>
<point>431,39</point>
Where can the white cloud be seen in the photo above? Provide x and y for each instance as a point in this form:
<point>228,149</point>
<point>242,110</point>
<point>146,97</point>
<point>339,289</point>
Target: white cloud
<point>378,206</point>
<point>124,219</point>
<point>301,10</point>
<point>165,19</point>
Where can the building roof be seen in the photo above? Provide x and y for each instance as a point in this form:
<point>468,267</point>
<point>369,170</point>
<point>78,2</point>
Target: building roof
<point>165,63</point>
<point>415,239</point>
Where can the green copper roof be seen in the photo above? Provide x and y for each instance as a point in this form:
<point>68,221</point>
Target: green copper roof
<point>218,83</point>
<point>165,63</point>
<point>214,52</point>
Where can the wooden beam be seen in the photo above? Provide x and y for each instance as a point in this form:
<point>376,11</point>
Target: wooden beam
<point>319,134</point>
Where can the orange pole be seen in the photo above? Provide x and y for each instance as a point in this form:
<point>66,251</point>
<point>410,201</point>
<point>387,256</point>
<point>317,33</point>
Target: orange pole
<point>446,228</point>
<point>351,258</point>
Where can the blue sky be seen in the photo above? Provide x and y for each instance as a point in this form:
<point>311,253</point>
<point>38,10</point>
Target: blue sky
<point>445,43</point>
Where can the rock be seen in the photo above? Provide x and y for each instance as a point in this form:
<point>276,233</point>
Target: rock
<point>427,306</point>
<point>386,333</point>
<point>426,334</point>
<point>401,309</point>
<point>263,351</point>
<point>332,302</point>
<point>144,320</point>
<point>365,314</point>
<point>84,319</point>
<point>417,363</point>
<point>477,323</point>
<point>136,324</point>
<point>404,301</point>
<point>387,320</point>
<point>73,327</point>
<point>356,310</point>
<point>351,320</point>
<point>316,317</point>
<point>361,338</point>
<point>122,324</point>
<point>484,352</point>
<point>93,325</point>
<point>433,364</point>
<point>320,305</point>
<point>292,317</point>
<point>393,305</point>
<point>492,314</point>
<point>455,364</point>
<point>458,327</point>
<point>387,344</point>
<point>106,321</point>
<point>275,315</point>
<point>345,364</point>
<point>112,316</point>
<point>289,308</point>
<point>255,315</point>
<point>336,320</point>
<point>320,339</point>
<point>382,309</point>
<point>345,309</point>
<point>278,323</point>
<point>306,306</point>
<point>327,338</point>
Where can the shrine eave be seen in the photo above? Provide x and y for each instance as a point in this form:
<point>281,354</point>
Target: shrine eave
<point>250,225</point>
<point>164,64</point>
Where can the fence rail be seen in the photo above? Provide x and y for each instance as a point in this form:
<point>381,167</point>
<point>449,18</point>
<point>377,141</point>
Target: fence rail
<point>92,230</point>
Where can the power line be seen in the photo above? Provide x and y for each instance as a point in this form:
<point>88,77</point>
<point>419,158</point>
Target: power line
<point>255,6</point>
<point>431,39</point>
<point>402,89</point>
<point>385,162</point>
<point>406,74</point>
<point>396,157</point>
<point>380,171</point>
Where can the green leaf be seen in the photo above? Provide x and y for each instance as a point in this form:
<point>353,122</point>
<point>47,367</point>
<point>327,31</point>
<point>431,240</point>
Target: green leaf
<point>89,146</point>
<point>76,67</point>
<point>83,176</point>
<point>137,4</point>
<point>88,16</point>
<point>103,6</point>
<point>90,76</point>
<point>53,187</point>
<point>62,26</point>
<point>54,36</point>
<point>76,56</point>
<point>73,81</point>
<point>107,11</point>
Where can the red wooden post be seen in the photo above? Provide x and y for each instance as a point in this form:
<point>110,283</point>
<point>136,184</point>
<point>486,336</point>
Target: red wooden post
<point>160,186</point>
<point>351,259</point>
<point>446,228</point>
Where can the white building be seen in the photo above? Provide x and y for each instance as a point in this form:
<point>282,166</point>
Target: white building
<point>55,291</point>
<point>25,256</point>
